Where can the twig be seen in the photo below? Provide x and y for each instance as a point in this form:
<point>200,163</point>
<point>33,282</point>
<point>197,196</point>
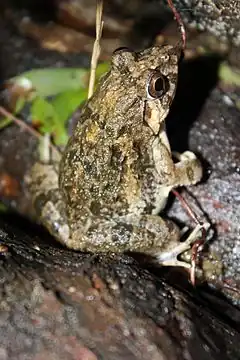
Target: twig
<point>180,23</point>
<point>188,209</point>
<point>96,47</point>
<point>24,126</point>
<point>20,123</point>
<point>197,246</point>
<point>231,288</point>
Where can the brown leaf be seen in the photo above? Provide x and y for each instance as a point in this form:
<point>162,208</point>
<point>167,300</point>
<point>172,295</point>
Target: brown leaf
<point>9,186</point>
<point>64,39</point>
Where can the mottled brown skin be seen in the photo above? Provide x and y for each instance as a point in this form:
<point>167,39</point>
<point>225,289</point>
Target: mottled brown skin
<point>117,169</point>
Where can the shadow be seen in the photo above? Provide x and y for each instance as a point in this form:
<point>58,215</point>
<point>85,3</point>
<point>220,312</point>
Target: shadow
<point>26,229</point>
<point>149,23</point>
<point>201,294</point>
<point>2,78</point>
<point>197,78</point>
<point>40,10</point>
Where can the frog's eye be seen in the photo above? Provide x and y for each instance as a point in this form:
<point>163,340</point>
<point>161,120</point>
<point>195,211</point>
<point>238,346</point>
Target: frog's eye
<point>158,85</point>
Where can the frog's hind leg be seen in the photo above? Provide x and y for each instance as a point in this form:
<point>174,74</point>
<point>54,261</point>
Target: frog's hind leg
<point>147,234</point>
<point>160,239</point>
<point>169,258</point>
<point>47,200</point>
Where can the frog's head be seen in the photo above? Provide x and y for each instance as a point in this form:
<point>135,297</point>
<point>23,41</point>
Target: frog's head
<point>152,75</point>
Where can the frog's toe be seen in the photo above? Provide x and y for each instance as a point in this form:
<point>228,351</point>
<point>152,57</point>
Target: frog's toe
<point>187,156</point>
<point>169,258</point>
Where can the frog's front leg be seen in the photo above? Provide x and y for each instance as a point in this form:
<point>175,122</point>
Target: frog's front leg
<point>166,245</point>
<point>188,170</point>
<point>169,258</point>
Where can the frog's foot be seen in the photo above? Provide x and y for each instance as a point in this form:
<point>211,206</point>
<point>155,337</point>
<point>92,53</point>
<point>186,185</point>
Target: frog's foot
<point>169,258</point>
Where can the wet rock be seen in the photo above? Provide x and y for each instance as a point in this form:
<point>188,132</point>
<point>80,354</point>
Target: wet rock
<point>220,17</point>
<point>62,304</point>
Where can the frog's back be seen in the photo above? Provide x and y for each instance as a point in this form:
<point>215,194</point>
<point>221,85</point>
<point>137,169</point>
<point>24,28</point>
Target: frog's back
<point>92,163</point>
<point>108,164</point>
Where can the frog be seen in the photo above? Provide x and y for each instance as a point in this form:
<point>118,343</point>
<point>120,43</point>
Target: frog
<point>106,191</point>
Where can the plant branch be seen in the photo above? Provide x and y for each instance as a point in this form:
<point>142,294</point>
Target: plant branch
<point>24,126</point>
<point>180,23</point>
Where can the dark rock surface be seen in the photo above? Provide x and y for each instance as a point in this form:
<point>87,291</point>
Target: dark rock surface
<point>57,304</point>
<point>206,120</point>
<point>221,17</point>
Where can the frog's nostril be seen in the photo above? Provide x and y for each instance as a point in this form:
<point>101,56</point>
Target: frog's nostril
<point>121,49</point>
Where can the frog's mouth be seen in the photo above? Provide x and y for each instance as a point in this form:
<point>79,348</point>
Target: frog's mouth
<point>154,117</point>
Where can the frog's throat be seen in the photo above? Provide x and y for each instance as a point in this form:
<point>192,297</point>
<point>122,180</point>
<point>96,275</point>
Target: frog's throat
<point>163,138</point>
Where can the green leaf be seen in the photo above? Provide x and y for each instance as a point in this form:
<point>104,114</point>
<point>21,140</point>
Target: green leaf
<point>52,81</point>
<point>44,112</point>
<point>3,208</point>
<point>101,70</point>
<point>229,75</point>
<point>21,101</point>
<point>66,103</point>
<point>67,85</point>
<point>4,122</point>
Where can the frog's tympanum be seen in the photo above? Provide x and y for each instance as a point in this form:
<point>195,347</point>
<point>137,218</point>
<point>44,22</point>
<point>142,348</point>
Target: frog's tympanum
<point>116,172</point>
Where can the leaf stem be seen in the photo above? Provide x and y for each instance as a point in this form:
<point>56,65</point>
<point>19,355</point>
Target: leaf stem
<point>96,47</point>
